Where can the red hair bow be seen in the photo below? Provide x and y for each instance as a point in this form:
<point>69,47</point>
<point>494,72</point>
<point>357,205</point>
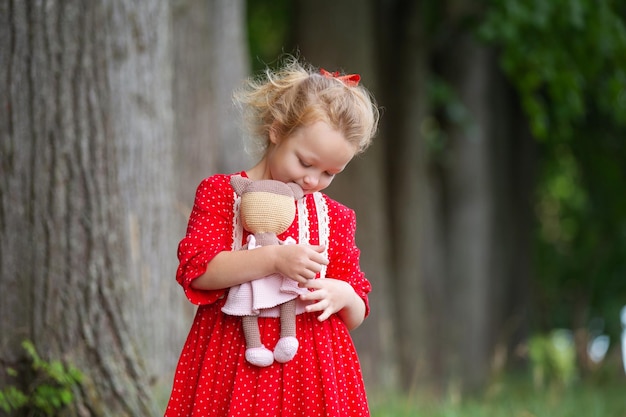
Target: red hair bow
<point>351,80</point>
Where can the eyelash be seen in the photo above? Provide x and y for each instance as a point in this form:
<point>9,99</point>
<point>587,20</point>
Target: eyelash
<point>305,165</point>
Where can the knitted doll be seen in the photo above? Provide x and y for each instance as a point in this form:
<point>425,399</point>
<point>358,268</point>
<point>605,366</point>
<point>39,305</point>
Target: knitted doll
<point>267,209</point>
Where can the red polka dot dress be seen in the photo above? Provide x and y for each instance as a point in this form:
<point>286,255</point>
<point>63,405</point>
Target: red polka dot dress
<point>213,377</point>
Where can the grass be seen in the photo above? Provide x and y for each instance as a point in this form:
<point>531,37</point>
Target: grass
<point>514,399</point>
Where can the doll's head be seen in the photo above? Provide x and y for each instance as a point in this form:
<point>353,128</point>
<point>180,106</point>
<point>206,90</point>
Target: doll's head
<point>267,206</point>
<point>297,95</point>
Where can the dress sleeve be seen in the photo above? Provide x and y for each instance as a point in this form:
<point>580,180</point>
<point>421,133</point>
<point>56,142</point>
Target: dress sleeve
<point>343,252</point>
<point>209,232</point>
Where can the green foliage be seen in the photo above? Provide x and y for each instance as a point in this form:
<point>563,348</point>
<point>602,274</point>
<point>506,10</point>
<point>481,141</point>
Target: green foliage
<point>12,398</point>
<point>553,358</point>
<point>515,397</point>
<point>49,388</point>
<point>581,233</point>
<point>269,23</point>
<point>567,59</point>
<point>448,111</point>
<point>561,54</point>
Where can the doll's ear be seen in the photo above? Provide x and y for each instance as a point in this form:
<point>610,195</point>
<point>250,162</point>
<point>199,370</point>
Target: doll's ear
<point>239,183</point>
<point>297,191</point>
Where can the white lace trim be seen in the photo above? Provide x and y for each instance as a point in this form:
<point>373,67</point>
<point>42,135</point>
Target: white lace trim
<point>304,234</point>
<point>237,228</point>
<point>323,226</point>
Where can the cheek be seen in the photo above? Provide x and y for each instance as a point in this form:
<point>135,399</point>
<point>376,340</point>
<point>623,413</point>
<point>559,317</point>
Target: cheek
<point>325,182</point>
<point>282,173</point>
<point>286,168</point>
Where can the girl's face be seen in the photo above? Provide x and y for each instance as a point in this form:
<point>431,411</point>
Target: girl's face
<point>310,157</point>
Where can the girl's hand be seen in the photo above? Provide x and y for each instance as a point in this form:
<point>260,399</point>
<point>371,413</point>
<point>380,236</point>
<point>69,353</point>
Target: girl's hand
<point>300,262</point>
<point>334,296</point>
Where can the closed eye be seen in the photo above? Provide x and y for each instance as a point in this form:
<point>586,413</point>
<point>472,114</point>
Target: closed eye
<point>304,164</point>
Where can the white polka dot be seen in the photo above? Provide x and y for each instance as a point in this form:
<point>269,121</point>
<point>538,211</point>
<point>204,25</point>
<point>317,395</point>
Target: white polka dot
<point>213,378</point>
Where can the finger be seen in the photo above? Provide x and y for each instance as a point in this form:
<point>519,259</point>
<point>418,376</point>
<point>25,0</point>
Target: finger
<point>325,315</point>
<point>315,295</point>
<point>302,278</point>
<point>319,306</point>
<point>308,275</point>
<point>306,272</point>
<point>314,267</point>
<point>322,306</point>
<point>313,284</point>
<point>319,258</point>
<point>319,248</point>
<point>322,260</point>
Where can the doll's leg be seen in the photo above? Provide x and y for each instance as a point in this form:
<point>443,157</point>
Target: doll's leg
<point>256,353</point>
<point>287,345</point>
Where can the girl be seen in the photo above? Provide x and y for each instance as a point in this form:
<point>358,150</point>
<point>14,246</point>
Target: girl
<point>311,124</point>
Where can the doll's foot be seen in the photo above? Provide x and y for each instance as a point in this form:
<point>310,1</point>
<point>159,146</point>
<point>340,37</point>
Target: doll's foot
<point>285,349</point>
<point>260,356</point>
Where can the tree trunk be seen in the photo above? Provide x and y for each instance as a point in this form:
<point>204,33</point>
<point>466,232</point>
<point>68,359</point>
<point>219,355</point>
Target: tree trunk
<point>459,242</point>
<point>323,41</point>
<point>210,61</point>
<point>86,196</point>
<point>514,162</point>
<point>487,226</point>
<point>471,211</point>
<point>413,203</point>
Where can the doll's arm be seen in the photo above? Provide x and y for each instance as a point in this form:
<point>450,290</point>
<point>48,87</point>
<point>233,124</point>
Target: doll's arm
<point>251,243</point>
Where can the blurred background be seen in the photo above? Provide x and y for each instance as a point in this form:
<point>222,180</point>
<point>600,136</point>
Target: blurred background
<point>491,208</point>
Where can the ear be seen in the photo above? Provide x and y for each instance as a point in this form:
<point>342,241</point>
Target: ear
<point>297,191</point>
<point>273,133</point>
<point>239,183</point>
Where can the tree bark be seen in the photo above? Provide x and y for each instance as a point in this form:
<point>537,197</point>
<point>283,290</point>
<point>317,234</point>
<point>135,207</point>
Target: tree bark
<point>322,38</point>
<point>210,62</point>
<point>97,177</point>
<point>413,204</point>
<point>471,211</point>
<point>86,195</point>
<point>460,244</point>
<point>488,215</point>
<point>447,186</point>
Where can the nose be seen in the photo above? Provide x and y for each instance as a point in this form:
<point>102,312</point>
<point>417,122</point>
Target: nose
<point>311,181</point>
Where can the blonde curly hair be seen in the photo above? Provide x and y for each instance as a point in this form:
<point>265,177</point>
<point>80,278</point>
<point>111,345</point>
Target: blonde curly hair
<point>298,95</point>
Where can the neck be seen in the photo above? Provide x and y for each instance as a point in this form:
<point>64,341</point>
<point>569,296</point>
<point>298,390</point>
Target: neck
<point>266,239</point>
<point>260,171</point>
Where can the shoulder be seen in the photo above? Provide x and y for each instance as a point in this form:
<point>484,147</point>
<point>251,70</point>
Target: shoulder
<point>341,221</point>
<point>336,208</point>
<point>217,182</point>
<point>339,215</point>
<point>215,188</point>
